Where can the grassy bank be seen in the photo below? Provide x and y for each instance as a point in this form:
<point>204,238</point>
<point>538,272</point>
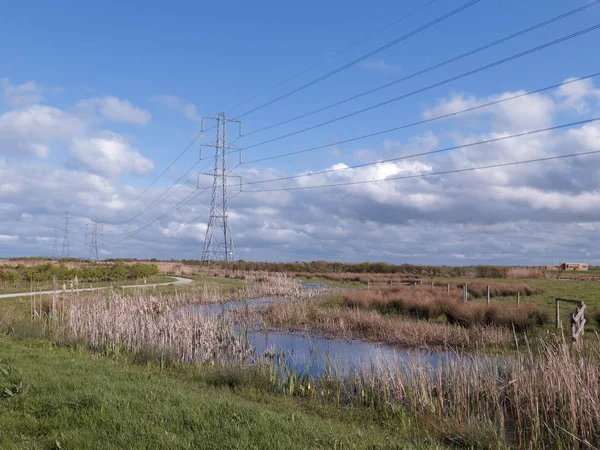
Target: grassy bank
<point>60,398</point>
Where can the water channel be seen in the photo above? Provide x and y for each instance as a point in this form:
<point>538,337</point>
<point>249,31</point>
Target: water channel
<point>315,354</point>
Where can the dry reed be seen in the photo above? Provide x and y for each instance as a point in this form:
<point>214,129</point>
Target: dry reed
<point>431,303</point>
<point>346,322</point>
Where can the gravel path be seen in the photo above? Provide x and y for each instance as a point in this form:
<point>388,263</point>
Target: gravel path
<point>178,280</point>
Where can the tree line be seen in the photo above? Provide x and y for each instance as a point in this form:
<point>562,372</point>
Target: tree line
<point>86,273</point>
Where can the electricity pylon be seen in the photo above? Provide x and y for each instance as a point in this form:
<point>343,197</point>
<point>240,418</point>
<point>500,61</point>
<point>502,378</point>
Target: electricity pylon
<point>55,244</point>
<point>94,240</point>
<point>218,241</point>
<point>65,244</point>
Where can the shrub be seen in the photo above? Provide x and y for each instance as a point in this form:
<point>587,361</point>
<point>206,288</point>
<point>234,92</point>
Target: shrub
<point>491,272</point>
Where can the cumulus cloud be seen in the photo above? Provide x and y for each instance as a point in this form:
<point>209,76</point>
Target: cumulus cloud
<point>578,95</point>
<point>39,123</point>
<point>529,214</point>
<point>30,131</point>
<point>117,110</point>
<point>109,155</point>
<point>523,113</point>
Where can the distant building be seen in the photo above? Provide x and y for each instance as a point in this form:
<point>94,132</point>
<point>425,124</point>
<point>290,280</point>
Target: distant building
<point>573,266</point>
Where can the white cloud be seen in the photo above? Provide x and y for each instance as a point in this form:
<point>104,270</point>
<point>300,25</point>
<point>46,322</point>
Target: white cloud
<point>30,131</point>
<point>109,155</point>
<point>39,123</point>
<point>117,110</point>
<point>522,113</point>
<point>40,150</point>
<point>513,215</point>
<point>174,103</point>
<point>577,95</point>
<point>25,94</point>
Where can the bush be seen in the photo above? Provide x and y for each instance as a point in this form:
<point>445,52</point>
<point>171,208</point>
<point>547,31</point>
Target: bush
<point>491,272</point>
<point>46,273</point>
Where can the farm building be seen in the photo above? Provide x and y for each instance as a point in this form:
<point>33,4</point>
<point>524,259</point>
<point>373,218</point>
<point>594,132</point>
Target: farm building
<point>573,266</point>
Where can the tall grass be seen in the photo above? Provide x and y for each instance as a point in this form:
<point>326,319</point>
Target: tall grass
<point>431,303</point>
<point>344,322</point>
<point>145,324</point>
<point>547,400</point>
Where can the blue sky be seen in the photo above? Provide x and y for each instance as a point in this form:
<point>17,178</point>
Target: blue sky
<point>164,65</point>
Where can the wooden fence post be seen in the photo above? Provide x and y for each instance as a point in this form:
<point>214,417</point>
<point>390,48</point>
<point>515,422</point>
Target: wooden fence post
<point>432,284</point>
<point>557,316</point>
<point>465,293</point>
<point>488,294</point>
<point>448,288</point>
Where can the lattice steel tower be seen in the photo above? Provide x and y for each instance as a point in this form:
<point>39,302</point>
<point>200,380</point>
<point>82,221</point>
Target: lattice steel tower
<point>218,242</point>
<point>94,240</point>
<point>65,252</point>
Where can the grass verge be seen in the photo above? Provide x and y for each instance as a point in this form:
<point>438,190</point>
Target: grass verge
<point>61,398</point>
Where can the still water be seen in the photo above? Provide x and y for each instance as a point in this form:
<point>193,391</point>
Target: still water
<point>316,354</point>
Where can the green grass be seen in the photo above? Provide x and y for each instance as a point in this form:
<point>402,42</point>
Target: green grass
<point>585,290</point>
<point>59,398</point>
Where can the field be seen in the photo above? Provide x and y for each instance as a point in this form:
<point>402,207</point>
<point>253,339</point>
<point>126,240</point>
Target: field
<point>110,365</point>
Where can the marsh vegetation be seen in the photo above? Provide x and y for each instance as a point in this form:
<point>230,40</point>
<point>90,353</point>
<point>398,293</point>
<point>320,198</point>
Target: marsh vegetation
<point>506,378</point>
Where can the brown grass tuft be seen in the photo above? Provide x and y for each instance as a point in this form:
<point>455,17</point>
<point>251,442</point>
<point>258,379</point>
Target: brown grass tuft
<point>431,303</point>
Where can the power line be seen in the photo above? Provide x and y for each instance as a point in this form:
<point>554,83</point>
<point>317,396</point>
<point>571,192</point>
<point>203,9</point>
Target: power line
<point>187,147</point>
<point>431,174</point>
<point>430,68</point>
<point>424,121</point>
<point>431,86</point>
<point>362,58</point>
<point>431,152</point>
<point>336,54</point>
<point>162,195</point>
<point>192,196</point>
<point>187,199</point>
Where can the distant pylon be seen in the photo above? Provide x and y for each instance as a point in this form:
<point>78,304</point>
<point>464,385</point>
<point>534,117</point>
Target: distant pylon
<point>55,244</point>
<point>65,252</point>
<point>94,240</point>
<point>218,245</point>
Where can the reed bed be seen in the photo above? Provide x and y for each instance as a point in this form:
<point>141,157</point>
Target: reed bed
<point>479,289</point>
<point>141,321</point>
<point>550,400</point>
<point>430,303</point>
<point>136,324</point>
<point>343,322</point>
